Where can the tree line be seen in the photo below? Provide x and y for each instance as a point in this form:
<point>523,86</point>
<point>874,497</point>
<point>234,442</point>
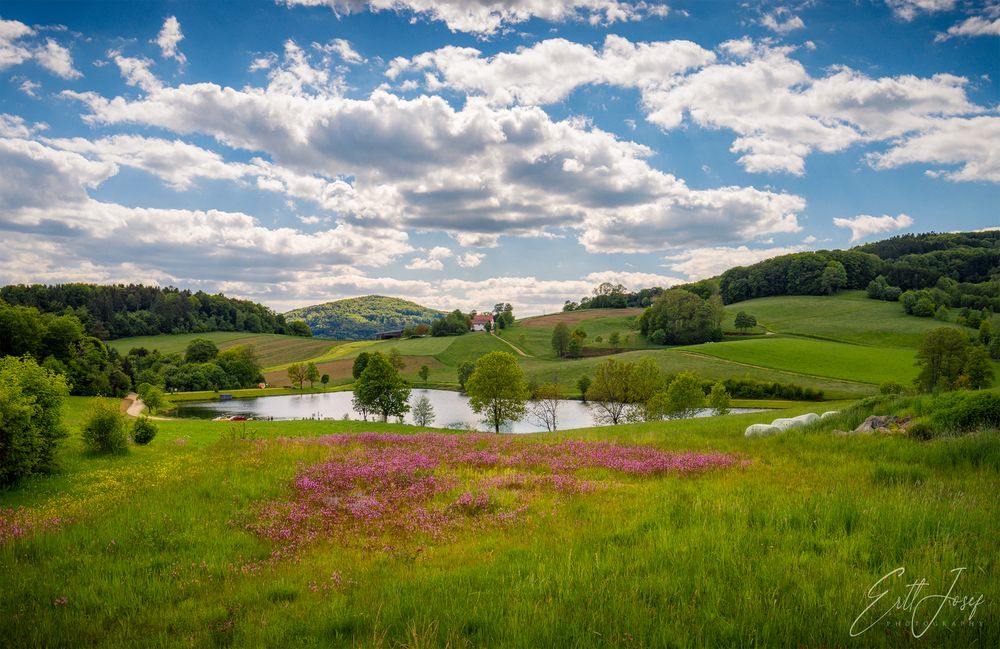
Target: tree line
<point>201,367</point>
<point>118,311</point>
<point>60,345</point>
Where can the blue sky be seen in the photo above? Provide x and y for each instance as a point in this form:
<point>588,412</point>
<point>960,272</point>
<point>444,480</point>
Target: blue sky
<point>465,152</point>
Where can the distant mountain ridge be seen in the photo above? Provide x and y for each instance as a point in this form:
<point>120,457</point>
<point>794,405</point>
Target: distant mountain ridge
<point>360,318</point>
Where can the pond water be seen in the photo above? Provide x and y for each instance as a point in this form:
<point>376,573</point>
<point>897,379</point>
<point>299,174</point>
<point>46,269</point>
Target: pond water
<point>451,410</point>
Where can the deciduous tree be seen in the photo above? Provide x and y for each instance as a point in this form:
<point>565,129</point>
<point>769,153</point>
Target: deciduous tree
<point>608,394</point>
<point>297,374</point>
<point>31,400</point>
<point>311,374</point>
<point>423,412</point>
<point>560,339</point>
<point>718,399</point>
<point>941,358</point>
<point>497,389</point>
<point>543,405</point>
<point>380,389</point>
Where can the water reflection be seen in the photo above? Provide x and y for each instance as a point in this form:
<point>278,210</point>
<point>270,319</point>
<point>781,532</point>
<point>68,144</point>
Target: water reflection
<point>451,410</point>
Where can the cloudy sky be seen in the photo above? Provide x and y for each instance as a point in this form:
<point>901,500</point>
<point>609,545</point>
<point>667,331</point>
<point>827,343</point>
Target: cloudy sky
<point>464,152</point>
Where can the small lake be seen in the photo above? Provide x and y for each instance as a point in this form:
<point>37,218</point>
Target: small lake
<point>451,410</point>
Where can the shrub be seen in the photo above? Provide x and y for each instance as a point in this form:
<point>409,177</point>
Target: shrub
<point>143,431</point>
<point>965,412</point>
<point>922,430</point>
<point>104,430</point>
<point>890,387</point>
<point>31,399</point>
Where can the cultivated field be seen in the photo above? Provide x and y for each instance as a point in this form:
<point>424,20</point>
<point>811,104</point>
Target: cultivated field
<point>216,534</point>
<point>272,349</point>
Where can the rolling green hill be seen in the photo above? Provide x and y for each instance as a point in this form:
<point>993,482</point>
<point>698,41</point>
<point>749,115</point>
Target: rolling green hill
<point>848,317</point>
<point>360,318</point>
<point>845,345</point>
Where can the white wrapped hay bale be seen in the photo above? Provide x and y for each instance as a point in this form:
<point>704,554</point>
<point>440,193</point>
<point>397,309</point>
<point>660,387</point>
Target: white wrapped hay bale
<point>829,413</point>
<point>806,419</point>
<point>759,430</point>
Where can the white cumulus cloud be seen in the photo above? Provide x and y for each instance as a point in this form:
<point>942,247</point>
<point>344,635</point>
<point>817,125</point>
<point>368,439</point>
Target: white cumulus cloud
<point>863,225</point>
<point>699,263</point>
<point>486,17</point>
<point>168,38</point>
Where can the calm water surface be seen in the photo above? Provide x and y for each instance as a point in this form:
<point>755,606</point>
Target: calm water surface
<point>451,410</point>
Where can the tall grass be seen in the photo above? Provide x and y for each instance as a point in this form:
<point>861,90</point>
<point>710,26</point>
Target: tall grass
<point>779,552</point>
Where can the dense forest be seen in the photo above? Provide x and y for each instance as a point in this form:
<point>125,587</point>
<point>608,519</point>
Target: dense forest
<point>119,311</point>
<point>968,262</point>
<point>60,344</point>
<point>360,318</point>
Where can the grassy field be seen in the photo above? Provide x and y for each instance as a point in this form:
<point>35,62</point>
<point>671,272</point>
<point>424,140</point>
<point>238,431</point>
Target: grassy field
<point>819,358</point>
<point>844,345</point>
<point>848,317</point>
<point>272,349</point>
<point>534,335</point>
<point>166,546</point>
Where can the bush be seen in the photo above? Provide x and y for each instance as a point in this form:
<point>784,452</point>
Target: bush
<point>921,430</point>
<point>890,387</point>
<point>964,412</point>
<point>104,430</point>
<point>31,399</point>
<point>143,431</point>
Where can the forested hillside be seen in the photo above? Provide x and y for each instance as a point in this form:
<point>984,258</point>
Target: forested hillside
<point>119,311</point>
<point>908,262</point>
<point>360,318</point>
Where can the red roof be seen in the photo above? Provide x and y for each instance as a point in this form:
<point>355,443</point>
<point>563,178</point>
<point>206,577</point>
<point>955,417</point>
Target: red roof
<point>481,318</point>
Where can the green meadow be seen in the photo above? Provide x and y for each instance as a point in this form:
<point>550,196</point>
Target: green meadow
<point>273,350</point>
<point>847,317</point>
<point>819,358</point>
<point>156,548</point>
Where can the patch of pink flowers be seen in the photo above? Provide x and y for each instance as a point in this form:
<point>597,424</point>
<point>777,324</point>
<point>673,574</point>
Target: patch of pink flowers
<point>15,523</point>
<point>379,485</point>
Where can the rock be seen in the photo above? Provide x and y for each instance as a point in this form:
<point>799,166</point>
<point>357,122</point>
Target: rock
<point>759,430</point>
<point>883,424</point>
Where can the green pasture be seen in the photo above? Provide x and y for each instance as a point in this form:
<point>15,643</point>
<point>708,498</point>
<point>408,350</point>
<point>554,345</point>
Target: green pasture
<point>818,358</point>
<point>781,551</point>
<point>848,317</point>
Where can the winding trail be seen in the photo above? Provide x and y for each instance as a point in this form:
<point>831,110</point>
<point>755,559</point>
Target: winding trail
<point>133,405</point>
<point>511,345</point>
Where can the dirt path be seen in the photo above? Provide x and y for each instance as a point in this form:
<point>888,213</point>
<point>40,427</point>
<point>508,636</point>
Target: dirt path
<point>511,345</point>
<point>132,405</point>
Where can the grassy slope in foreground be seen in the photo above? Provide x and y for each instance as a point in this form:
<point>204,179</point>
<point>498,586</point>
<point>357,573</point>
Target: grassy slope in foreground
<point>272,349</point>
<point>780,552</point>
